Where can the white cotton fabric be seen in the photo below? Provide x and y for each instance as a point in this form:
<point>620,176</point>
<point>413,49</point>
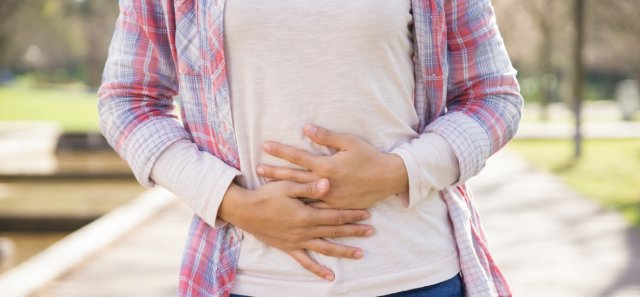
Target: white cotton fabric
<point>345,66</point>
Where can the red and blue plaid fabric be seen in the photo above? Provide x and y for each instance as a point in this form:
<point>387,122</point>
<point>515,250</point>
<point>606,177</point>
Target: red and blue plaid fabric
<point>466,91</point>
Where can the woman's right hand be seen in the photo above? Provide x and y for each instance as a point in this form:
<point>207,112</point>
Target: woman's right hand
<point>274,215</point>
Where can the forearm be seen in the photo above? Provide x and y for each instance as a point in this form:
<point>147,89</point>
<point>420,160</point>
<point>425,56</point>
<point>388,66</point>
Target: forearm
<point>484,105</point>
<point>198,178</point>
<point>430,164</point>
<point>135,102</point>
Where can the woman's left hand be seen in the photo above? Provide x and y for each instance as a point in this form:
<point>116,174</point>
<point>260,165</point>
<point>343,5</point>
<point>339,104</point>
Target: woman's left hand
<point>359,174</point>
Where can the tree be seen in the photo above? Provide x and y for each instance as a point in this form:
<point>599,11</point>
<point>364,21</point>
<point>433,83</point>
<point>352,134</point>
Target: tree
<point>548,16</point>
<point>578,71</point>
<point>616,29</point>
<point>71,35</point>
<point>8,8</point>
<point>98,18</point>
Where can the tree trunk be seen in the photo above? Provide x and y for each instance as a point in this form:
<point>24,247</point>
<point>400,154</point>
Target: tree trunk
<point>545,72</point>
<point>578,73</point>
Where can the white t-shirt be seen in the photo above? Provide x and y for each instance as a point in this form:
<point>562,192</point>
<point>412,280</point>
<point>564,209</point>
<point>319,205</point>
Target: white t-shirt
<point>345,66</point>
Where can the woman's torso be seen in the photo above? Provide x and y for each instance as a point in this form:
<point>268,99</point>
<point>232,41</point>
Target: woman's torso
<point>346,66</point>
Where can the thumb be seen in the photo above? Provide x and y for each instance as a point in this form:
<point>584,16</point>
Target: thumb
<point>314,189</point>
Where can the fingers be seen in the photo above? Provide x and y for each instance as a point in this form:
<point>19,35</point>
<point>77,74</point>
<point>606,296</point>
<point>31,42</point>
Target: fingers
<point>309,264</point>
<point>336,217</point>
<point>330,249</point>
<point>315,189</point>
<point>294,155</point>
<point>284,173</point>
<point>346,230</point>
<point>329,138</point>
<point>320,204</point>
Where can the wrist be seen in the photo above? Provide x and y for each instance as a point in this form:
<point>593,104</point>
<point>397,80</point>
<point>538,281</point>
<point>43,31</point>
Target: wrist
<point>234,202</point>
<point>399,179</point>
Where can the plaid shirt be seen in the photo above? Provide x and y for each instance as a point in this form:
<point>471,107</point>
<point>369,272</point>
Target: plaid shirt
<point>466,91</point>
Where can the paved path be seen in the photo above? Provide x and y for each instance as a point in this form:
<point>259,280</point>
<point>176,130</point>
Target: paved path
<point>600,120</point>
<point>144,263</point>
<point>549,241</point>
<point>589,130</point>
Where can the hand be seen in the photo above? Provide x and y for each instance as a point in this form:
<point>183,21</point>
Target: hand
<point>359,174</point>
<point>274,215</point>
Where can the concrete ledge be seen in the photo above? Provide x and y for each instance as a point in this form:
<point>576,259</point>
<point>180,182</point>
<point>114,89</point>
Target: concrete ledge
<point>45,223</point>
<point>33,274</point>
<point>82,141</point>
<point>66,176</point>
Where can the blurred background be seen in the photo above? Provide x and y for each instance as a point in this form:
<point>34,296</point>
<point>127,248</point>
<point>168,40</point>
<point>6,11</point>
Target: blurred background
<point>561,202</point>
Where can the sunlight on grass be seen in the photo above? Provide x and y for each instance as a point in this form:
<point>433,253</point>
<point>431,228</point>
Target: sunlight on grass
<point>609,170</point>
<point>74,110</point>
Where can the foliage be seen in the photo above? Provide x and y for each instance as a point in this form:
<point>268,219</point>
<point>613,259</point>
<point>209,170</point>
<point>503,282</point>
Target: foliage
<point>607,171</point>
<point>56,36</point>
<point>538,35</point>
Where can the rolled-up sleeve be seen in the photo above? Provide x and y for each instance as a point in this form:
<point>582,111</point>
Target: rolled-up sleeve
<point>484,104</point>
<point>139,81</point>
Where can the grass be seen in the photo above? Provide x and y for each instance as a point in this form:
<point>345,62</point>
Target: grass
<point>608,171</point>
<point>75,111</point>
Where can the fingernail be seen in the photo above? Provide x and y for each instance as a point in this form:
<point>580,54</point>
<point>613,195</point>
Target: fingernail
<point>358,254</point>
<point>266,147</point>
<point>366,216</point>
<point>368,232</point>
<point>260,170</point>
<point>328,277</point>
<point>311,128</point>
<point>323,184</point>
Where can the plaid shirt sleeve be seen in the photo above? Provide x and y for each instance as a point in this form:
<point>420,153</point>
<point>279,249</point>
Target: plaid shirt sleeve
<point>483,97</point>
<point>139,81</point>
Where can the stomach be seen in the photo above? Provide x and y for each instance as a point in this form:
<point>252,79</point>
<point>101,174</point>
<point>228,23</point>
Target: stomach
<point>404,240</point>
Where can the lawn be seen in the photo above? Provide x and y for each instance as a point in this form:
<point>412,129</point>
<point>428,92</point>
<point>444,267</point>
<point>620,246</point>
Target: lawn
<point>74,110</point>
<point>609,170</point>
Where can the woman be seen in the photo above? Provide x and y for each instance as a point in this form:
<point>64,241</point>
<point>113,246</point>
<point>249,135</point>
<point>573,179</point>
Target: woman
<point>401,103</point>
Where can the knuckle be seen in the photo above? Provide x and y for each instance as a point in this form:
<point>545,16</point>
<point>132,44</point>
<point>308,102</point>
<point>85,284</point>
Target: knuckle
<point>294,189</point>
<point>289,187</point>
<point>309,188</point>
<point>322,133</point>
<point>295,156</point>
<point>356,217</point>
<point>325,250</point>
<point>307,265</point>
<point>293,176</point>
<point>326,168</point>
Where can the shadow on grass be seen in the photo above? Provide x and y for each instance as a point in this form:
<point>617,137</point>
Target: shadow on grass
<point>565,166</point>
<point>631,211</point>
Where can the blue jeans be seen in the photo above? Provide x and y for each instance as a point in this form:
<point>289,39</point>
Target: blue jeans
<point>449,288</point>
